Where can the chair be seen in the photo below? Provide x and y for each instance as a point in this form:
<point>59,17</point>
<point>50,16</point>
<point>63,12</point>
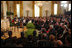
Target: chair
<point>43,43</point>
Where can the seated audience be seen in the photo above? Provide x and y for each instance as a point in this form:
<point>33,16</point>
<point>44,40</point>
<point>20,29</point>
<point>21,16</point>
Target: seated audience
<point>54,31</point>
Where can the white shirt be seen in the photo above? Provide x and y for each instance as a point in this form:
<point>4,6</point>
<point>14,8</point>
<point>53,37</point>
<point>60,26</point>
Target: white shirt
<point>30,21</point>
<point>24,21</point>
<point>51,26</point>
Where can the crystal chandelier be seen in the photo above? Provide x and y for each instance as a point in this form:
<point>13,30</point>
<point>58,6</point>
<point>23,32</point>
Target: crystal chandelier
<point>39,3</point>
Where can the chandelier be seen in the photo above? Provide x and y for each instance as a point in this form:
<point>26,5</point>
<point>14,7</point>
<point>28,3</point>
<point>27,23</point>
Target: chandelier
<point>39,3</point>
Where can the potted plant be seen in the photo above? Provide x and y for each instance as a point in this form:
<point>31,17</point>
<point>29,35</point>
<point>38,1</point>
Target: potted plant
<point>30,25</point>
<point>30,29</point>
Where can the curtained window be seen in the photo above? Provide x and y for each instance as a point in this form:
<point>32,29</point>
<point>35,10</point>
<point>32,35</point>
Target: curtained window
<point>18,10</point>
<point>64,3</point>
<point>69,7</point>
<point>55,9</point>
<point>36,10</point>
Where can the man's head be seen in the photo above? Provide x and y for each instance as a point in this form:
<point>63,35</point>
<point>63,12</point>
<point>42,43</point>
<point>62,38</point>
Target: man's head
<point>44,36</point>
<point>69,31</point>
<point>34,33</point>
<point>22,34</point>
<point>30,37</point>
<point>67,39</point>
<point>10,33</point>
<point>59,43</point>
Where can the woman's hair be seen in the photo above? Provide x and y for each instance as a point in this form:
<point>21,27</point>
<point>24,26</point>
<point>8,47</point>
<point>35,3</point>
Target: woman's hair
<point>51,37</point>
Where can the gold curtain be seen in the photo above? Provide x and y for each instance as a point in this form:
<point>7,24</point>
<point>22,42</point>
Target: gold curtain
<point>21,8</point>
<point>58,11</point>
<point>52,7</point>
<point>15,9</point>
<point>8,9</point>
<point>40,11</point>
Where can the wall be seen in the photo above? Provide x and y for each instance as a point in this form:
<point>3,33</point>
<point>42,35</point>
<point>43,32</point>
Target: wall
<point>47,6</point>
<point>10,3</point>
<point>27,5</point>
<point>62,10</point>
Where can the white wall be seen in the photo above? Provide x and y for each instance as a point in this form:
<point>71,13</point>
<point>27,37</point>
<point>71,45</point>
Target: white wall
<point>11,5</point>
<point>62,10</point>
<point>27,5</point>
<point>47,6</point>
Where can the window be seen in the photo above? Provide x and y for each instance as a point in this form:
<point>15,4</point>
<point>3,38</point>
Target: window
<point>55,9</point>
<point>64,3</point>
<point>36,11</point>
<point>69,7</point>
<point>18,10</point>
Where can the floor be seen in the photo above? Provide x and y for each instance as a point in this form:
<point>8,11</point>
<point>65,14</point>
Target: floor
<point>15,32</point>
<point>5,25</point>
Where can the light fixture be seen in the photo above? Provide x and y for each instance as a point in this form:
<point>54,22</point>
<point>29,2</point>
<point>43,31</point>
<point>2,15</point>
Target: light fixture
<point>69,7</point>
<point>61,4</point>
<point>65,5</point>
<point>39,3</point>
<point>63,1</point>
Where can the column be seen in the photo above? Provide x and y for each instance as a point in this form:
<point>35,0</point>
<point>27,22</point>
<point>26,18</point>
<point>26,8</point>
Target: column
<point>58,11</point>
<point>1,10</point>
<point>52,7</point>
<point>46,13</point>
<point>15,10</point>
<point>8,9</point>
<point>67,5</point>
<point>21,8</point>
<point>4,9</point>
<point>12,7</point>
<point>40,11</point>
